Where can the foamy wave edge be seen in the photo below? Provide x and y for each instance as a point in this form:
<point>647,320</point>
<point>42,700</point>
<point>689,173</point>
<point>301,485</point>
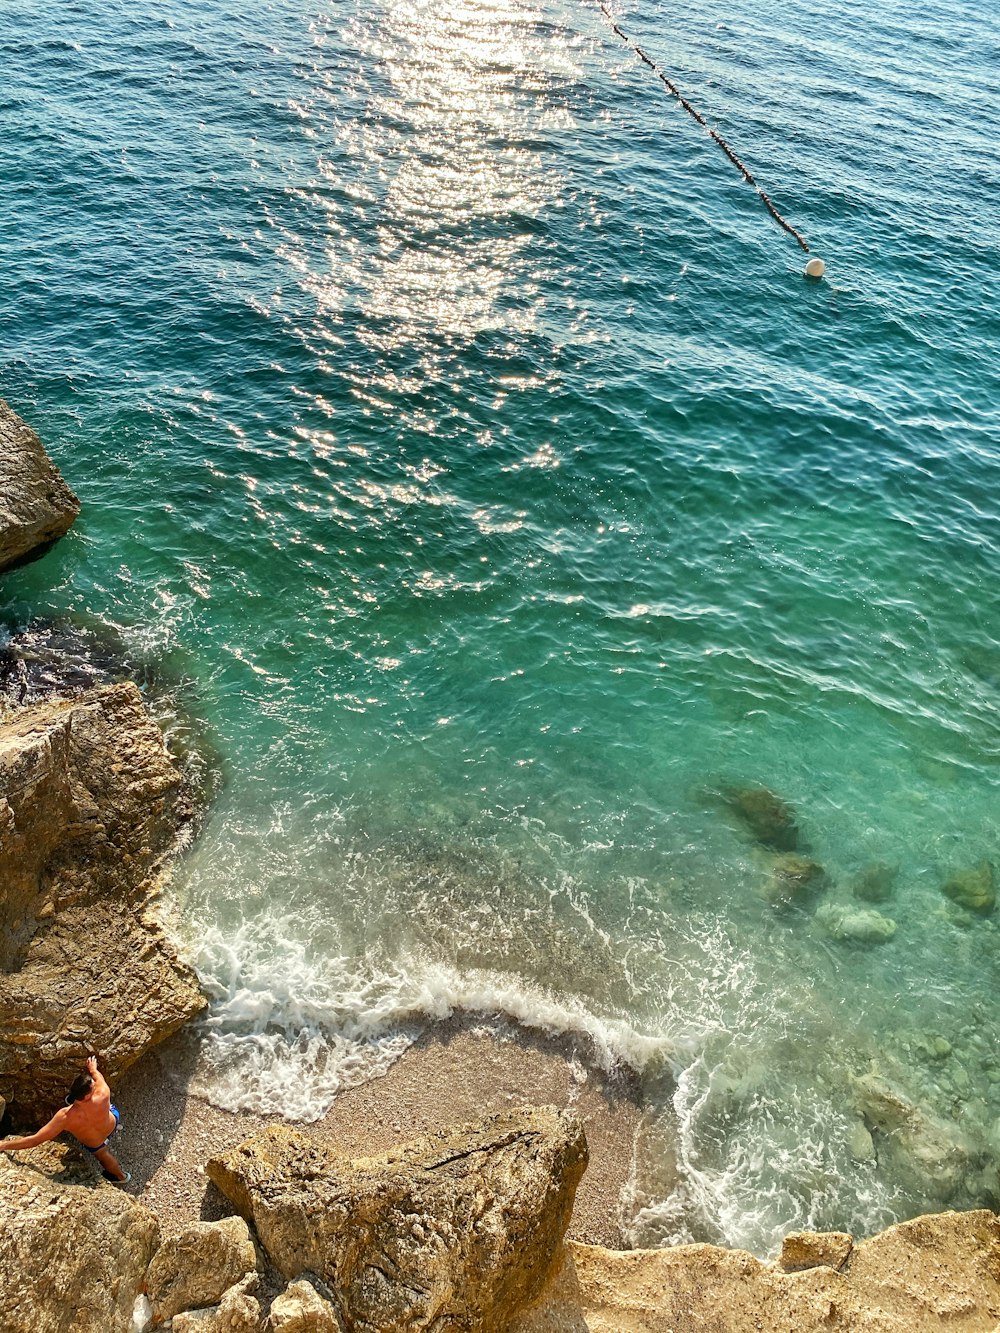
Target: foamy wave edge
<point>282,1038</point>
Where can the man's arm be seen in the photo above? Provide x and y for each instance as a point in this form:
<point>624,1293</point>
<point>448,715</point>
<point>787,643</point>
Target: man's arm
<point>100,1083</point>
<point>47,1132</point>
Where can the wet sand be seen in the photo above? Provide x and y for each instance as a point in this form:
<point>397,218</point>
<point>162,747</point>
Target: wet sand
<point>457,1071</point>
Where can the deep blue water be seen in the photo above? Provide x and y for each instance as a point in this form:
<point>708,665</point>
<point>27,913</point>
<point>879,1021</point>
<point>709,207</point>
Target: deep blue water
<point>456,427</point>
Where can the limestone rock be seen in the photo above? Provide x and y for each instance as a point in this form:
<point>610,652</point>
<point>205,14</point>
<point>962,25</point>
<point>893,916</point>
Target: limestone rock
<point>457,1230</point>
<point>73,1250</point>
<point>90,808</point>
<point>198,1265</point>
<point>36,505</point>
<point>973,889</point>
<point>769,819</point>
<point>860,925</point>
<point>301,1309</point>
<point>815,1249</point>
<point>937,1274</point>
<point>238,1312</point>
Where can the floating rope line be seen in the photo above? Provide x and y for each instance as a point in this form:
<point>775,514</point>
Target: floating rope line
<point>815,267</point>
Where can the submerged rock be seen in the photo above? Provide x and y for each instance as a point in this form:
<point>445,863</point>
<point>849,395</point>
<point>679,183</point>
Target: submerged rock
<point>91,807</point>
<point>972,889</point>
<point>769,819</point>
<point>932,1046</point>
<point>875,883</point>
<point>858,924</point>
<point>36,505</point>
<point>73,1250</point>
<point>454,1231</point>
<point>860,1143</point>
<point>61,659</point>
<point>930,1156</point>
<point>793,879</point>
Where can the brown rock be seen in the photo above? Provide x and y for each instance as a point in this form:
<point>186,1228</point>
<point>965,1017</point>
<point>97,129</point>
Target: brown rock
<point>973,889</point>
<point>198,1265</point>
<point>36,505</point>
<point>769,819</point>
<point>938,1274</point>
<point>454,1231</point>
<point>238,1312</point>
<point>793,879</point>
<point>301,1309</point>
<point>73,1250</point>
<point>90,807</point>
<point>875,882</point>
<point>812,1249</point>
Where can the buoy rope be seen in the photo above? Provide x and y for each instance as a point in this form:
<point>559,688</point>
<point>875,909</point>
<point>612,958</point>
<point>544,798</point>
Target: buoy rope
<point>692,111</point>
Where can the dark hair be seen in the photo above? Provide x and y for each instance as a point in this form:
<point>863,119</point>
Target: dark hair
<point>80,1087</point>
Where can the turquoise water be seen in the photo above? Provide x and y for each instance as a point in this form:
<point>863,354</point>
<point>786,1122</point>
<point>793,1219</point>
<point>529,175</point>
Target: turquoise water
<point>455,427</point>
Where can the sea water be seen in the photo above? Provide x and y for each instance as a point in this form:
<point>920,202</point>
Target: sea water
<point>459,435</point>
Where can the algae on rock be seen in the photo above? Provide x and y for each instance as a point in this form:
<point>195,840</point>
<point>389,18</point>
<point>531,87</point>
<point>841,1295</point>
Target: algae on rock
<point>769,819</point>
<point>793,879</point>
<point>972,889</point>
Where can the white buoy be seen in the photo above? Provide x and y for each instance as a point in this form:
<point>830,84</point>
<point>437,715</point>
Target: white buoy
<point>815,268</point>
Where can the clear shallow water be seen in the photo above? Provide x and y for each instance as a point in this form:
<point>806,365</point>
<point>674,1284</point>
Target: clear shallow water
<point>455,424</point>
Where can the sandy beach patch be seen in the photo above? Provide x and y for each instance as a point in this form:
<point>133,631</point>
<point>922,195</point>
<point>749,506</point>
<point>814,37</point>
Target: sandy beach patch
<point>457,1071</point>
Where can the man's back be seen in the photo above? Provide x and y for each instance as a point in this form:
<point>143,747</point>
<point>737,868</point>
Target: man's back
<point>90,1119</point>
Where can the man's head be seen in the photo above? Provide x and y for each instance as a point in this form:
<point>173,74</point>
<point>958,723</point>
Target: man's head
<point>80,1088</point>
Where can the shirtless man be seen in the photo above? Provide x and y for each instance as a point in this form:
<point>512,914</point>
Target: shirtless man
<point>89,1117</point>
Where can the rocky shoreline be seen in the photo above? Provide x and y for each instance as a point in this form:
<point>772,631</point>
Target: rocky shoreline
<point>461,1231</point>
<point>356,1225</point>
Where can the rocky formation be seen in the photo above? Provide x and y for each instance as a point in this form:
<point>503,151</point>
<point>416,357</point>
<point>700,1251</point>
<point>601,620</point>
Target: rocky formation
<point>90,807</point>
<point>459,1232</point>
<point>934,1155</point>
<point>196,1267</point>
<point>36,505</point>
<point>815,1249</point>
<point>937,1274</point>
<point>73,1250</point>
<point>301,1309</point>
<point>455,1231</point>
<point>238,1312</point>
